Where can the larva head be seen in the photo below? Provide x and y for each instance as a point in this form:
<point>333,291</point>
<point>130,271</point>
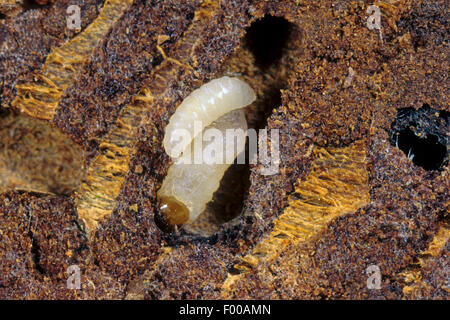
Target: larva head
<point>172,212</point>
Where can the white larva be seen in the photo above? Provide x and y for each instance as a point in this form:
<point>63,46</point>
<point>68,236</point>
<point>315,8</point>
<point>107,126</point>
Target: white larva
<point>188,188</point>
<point>206,104</point>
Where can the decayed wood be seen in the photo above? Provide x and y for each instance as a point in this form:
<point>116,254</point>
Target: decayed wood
<point>41,97</point>
<point>337,185</point>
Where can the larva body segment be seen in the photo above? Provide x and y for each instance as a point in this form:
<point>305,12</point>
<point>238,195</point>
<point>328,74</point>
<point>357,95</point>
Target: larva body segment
<point>206,104</point>
<point>187,188</point>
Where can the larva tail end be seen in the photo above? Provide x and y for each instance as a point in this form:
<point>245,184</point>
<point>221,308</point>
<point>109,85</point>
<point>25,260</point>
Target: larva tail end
<point>171,212</point>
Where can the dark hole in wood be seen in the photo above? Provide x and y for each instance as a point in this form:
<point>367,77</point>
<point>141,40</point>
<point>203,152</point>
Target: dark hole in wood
<point>267,38</point>
<point>422,135</point>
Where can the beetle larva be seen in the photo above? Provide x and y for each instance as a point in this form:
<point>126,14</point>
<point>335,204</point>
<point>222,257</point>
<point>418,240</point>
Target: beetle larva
<point>206,104</point>
<point>188,188</point>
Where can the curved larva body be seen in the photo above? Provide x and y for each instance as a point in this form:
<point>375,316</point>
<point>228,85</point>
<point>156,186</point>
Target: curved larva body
<point>188,188</point>
<point>206,104</point>
<point>193,185</point>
